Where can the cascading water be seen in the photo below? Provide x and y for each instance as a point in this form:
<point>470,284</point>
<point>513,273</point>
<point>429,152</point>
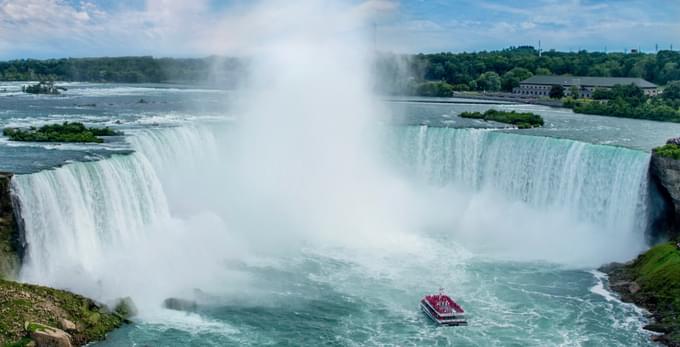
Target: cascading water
<point>602,184</point>
<point>72,214</point>
<point>523,188</point>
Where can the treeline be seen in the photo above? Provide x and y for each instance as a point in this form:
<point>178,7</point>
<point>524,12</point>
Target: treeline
<point>123,69</point>
<point>503,70</point>
<point>631,102</point>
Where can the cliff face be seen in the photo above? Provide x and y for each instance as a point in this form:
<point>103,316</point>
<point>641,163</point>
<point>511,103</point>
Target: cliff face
<point>10,244</point>
<point>665,171</point>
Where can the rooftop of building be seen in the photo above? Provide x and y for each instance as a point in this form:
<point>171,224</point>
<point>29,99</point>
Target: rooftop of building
<point>588,81</point>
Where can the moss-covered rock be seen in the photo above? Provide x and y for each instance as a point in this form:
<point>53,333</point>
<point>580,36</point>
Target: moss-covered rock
<point>652,281</point>
<point>21,303</point>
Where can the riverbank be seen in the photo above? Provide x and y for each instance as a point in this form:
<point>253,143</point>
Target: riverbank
<point>35,313</point>
<point>652,281</point>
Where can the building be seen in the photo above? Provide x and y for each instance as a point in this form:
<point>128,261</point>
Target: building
<point>541,85</point>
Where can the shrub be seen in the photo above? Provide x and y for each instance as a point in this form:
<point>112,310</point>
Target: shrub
<point>669,151</point>
<point>521,120</point>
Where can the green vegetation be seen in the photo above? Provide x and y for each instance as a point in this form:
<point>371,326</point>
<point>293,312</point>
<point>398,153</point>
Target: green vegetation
<point>520,120</point>
<point>657,271</point>
<point>669,150</point>
<point>441,89</point>
<point>21,303</point>
<point>481,70</point>
<point>629,102</point>
<point>556,92</point>
<point>65,132</point>
<point>121,69</point>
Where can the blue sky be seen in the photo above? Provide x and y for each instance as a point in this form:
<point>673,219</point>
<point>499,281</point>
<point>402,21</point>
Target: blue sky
<point>59,28</point>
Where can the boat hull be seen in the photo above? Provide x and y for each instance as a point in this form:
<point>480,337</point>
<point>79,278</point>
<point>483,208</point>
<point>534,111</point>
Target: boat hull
<point>453,321</point>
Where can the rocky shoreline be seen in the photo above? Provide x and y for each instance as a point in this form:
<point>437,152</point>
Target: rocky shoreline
<point>652,281</point>
<point>32,315</point>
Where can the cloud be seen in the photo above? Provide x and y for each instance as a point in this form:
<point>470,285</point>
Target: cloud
<point>53,28</point>
<point>167,27</point>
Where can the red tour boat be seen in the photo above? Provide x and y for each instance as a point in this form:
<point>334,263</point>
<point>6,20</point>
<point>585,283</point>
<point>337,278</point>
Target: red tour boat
<point>442,309</point>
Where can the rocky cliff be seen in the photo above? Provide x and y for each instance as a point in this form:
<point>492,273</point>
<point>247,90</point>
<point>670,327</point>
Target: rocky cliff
<point>10,241</point>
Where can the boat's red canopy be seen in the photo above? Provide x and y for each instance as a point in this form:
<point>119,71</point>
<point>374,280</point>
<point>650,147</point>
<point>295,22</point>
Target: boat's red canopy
<point>443,304</point>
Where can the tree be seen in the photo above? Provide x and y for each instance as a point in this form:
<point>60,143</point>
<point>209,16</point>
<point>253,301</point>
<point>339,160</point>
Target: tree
<point>575,92</point>
<point>512,78</point>
<point>541,71</point>
<point>556,92</point>
<point>441,89</point>
<point>672,91</point>
<point>602,94</point>
<point>489,81</point>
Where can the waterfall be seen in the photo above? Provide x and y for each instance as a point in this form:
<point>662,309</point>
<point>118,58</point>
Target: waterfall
<point>605,185</point>
<point>72,213</point>
<point>78,216</point>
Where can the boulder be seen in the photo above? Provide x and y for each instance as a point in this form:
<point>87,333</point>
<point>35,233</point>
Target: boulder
<point>67,325</point>
<point>180,304</point>
<point>633,287</point>
<point>47,336</point>
<point>125,307</point>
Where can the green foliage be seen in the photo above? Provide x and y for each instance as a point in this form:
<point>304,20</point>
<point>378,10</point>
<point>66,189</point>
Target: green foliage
<point>512,78</point>
<point>489,81</point>
<point>669,150</point>
<point>65,132</point>
<point>120,69</point>
<point>467,68</point>
<point>575,92</point>
<point>672,91</point>
<point>20,303</point>
<point>627,102</point>
<point>602,94</point>
<point>556,92</point>
<point>441,89</point>
<point>541,71</point>
<point>657,271</point>
<point>521,120</point>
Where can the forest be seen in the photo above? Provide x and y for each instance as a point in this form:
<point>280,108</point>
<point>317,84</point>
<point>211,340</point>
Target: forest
<point>441,73</point>
<point>124,69</point>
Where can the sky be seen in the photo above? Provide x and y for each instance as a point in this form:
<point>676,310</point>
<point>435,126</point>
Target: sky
<point>179,28</point>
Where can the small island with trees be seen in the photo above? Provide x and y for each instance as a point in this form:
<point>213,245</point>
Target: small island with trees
<point>522,120</point>
<point>65,132</point>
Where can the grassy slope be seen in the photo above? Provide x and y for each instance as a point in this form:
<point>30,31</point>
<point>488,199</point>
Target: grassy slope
<point>20,303</point>
<point>657,271</point>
